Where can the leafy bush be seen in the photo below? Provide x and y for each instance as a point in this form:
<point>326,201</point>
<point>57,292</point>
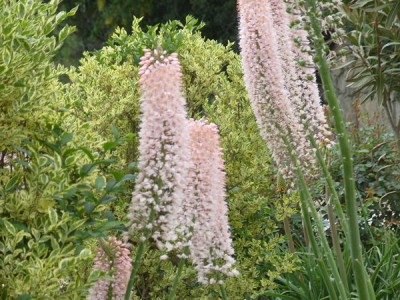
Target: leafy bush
<point>28,80</point>
<point>54,195</point>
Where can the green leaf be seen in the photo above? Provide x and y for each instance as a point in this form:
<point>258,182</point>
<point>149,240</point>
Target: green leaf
<point>86,169</point>
<point>64,33</point>
<point>100,183</point>
<point>391,18</point>
<point>70,160</point>
<point>115,132</point>
<point>87,152</point>
<point>110,225</point>
<point>44,204</point>
<point>127,177</point>
<point>85,253</point>
<point>20,83</point>
<point>65,262</point>
<point>7,56</point>
<point>44,179</point>
<point>12,183</point>
<point>107,198</point>
<point>109,146</point>
<point>10,227</point>
<point>8,29</point>
<point>72,11</point>
<point>54,243</point>
<point>60,17</point>
<point>361,3</point>
<point>66,138</point>
<point>89,207</point>
<point>53,216</point>
<point>70,193</point>
<point>48,28</point>
<point>21,10</point>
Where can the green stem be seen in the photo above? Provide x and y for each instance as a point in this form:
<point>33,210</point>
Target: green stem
<point>336,245</point>
<point>331,187</point>
<point>176,280</point>
<point>135,268</point>
<point>223,292</point>
<point>360,274</point>
<point>316,250</point>
<point>308,206</point>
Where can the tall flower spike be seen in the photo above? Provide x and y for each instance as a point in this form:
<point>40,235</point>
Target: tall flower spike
<point>112,257</point>
<point>299,73</point>
<point>156,207</point>
<point>210,248</point>
<point>273,97</point>
<point>280,79</point>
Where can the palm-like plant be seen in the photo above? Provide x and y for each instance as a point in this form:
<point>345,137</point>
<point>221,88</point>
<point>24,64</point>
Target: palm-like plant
<point>372,48</point>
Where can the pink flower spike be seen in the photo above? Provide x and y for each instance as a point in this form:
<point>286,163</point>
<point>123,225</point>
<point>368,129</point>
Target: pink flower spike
<point>285,102</point>
<point>112,257</point>
<point>160,189</point>
<point>210,248</point>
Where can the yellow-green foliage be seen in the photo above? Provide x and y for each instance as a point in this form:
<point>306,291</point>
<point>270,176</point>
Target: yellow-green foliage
<point>46,268</point>
<point>53,196</point>
<point>27,78</point>
<point>104,91</point>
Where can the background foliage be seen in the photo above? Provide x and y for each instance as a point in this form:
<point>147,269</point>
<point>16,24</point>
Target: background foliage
<point>370,46</point>
<point>54,193</point>
<point>97,20</point>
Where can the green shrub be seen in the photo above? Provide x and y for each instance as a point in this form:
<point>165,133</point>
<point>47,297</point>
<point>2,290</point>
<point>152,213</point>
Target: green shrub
<point>55,195</point>
<point>28,81</point>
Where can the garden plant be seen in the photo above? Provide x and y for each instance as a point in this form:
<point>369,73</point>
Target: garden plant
<point>168,166</point>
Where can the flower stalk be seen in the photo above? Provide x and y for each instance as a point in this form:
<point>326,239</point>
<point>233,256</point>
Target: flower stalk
<point>135,268</point>
<point>364,287</point>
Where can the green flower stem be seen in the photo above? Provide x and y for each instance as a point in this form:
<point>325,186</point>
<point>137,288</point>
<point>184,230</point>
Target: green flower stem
<point>333,197</point>
<point>308,206</point>
<point>135,268</point>
<point>172,294</point>
<point>331,187</point>
<point>361,278</point>
<point>223,292</point>
<point>336,245</point>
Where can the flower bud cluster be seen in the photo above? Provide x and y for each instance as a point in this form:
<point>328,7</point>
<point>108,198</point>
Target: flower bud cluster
<point>330,14</point>
<point>179,196</point>
<point>280,78</point>
<point>299,72</point>
<point>210,247</point>
<point>113,258</point>
<point>156,207</point>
